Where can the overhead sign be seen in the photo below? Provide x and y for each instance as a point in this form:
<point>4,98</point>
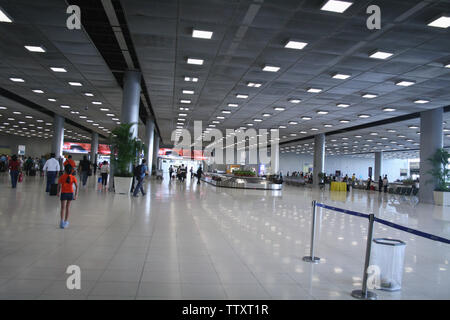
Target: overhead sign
<point>76,147</point>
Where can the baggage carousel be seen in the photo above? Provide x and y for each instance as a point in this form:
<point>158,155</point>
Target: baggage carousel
<point>237,182</point>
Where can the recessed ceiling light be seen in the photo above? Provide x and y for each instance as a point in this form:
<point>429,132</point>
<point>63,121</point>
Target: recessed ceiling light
<point>104,109</point>
<point>369,96</point>
<point>75,84</point>
<point>182,115</point>
<point>314,129</point>
<point>110,115</point>
<point>233,105</point>
<point>226,111</point>
<point>413,127</point>
<point>253,84</point>
<point>306,118</point>
<point>82,117</point>
<point>282,127</point>
<point>97,102</point>
<point>322,112</point>
<point>190,79</point>
<point>314,90</point>
<point>74,112</point>
<point>35,48</point>
<point>38,91</point>
<point>343,105</point>
<point>89,120</point>
<point>3,108</point>
<point>341,76</point>
<point>201,34</point>
<point>270,68</point>
<point>295,45</point>
<point>295,100</point>
<point>364,116</point>
<point>215,121</point>
<point>56,69</point>
<point>115,119</point>
<point>220,117</point>
<point>389,109</point>
<point>404,83</point>
<point>442,22</point>
<point>327,125</point>
<point>336,6</point>
<point>447,65</point>
<point>188,92</point>
<point>293,122</point>
<point>17,79</point>
<point>65,107</point>
<point>51,99</point>
<point>279,109</point>
<point>344,121</point>
<point>380,55</point>
<point>185,101</point>
<point>242,96</point>
<point>88,94</point>
<point>421,101</point>
<point>266,115</point>
<point>303,132</point>
<point>257,120</point>
<point>195,61</point>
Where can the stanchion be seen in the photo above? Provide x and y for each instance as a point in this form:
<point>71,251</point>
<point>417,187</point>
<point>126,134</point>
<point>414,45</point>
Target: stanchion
<point>364,294</point>
<point>311,258</point>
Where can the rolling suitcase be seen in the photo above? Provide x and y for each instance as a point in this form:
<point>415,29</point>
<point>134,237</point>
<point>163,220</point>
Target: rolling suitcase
<point>53,189</point>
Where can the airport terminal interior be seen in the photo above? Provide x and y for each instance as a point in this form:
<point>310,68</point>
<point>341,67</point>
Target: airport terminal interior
<point>225,149</point>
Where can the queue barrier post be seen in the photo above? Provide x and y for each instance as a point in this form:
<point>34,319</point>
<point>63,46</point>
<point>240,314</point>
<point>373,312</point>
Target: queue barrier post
<point>311,258</point>
<point>364,294</point>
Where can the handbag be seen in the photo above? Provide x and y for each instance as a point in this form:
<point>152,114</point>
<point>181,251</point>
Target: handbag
<point>20,177</point>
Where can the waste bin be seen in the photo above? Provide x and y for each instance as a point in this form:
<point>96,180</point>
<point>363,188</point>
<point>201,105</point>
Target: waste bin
<point>389,256</point>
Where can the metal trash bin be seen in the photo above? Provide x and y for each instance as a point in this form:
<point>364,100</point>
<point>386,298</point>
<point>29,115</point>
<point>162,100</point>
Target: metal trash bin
<point>389,256</point>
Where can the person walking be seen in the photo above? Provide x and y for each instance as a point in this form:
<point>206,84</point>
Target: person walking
<point>385,183</point>
<point>14,170</point>
<point>170,172</point>
<point>70,162</point>
<point>84,168</point>
<point>65,189</point>
<point>380,183</point>
<point>28,166</point>
<point>141,171</point>
<point>199,174</point>
<point>192,172</point>
<point>52,168</point>
<point>104,170</point>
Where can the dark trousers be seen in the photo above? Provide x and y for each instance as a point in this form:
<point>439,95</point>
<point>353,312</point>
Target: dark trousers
<point>139,187</point>
<point>385,189</point>
<point>51,176</point>
<point>104,178</point>
<point>84,176</point>
<point>14,176</point>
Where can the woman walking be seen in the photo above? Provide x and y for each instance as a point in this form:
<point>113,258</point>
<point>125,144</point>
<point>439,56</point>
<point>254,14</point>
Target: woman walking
<point>65,189</point>
<point>14,169</point>
<point>104,170</point>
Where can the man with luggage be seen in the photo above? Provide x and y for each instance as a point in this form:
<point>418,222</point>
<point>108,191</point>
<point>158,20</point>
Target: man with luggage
<point>52,168</point>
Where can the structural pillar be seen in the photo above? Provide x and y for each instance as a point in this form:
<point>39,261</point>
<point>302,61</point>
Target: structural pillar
<point>149,137</point>
<point>275,158</point>
<point>94,147</point>
<point>131,98</point>
<point>58,136</point>
<point>319,157</point>
<point>156,150</point>
<point>431,139</point>
<point>378,165</point>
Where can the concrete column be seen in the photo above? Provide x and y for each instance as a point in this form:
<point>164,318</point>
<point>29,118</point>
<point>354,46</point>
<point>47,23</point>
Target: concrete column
<point>156,150</point>
<point>275,158</point>
<point>58,136</point>
<point>149,135</point>
<point>131,98</point>
<point>94,147</point>
<point>319,157</point>
<point>431,139</point>
<point>378,165</point>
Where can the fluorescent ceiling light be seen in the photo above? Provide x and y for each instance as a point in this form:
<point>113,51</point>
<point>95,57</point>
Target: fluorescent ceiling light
<point>322,112</point>
<point>82,117</point>
<point>17,79</point>
<point>279,109</point>
<point>195,61</point>
<point>38,91</point>
<point>190,79</point>
<point>202,34</point>
<point>327,125</point>
<point>56,69</point>
<point>421,101</point>
<point>341,76</point>
<point>257,120</point>
<point>306,118</point>
<point>185,101</point>
<point>441,22</point>
<point>413,127</point>
<point>242,96</point>
<point>88,94</point>
<point>35,49</point>
<point>404,83</point>
<point>336,6</point>
<point>270,68</point>
<point>75,84</point>
<point>65,107</point>
<point>188,92</point>
<point>104,109</point>
<point>314,129</point>
<point>344,121</point>
<point>266,115</point>
<point>226,111</point>
<point>295,45</point>
<point>364,116</point>
<point>233,105</point>
<point>369,96</point>
<point>220,117</point>
<point>343,105</point>
<point>447,65</point>
<point>293,122</point>
<point>389,109</point>
<point>314,90</point>
<point>182,115</point>
<point>4,17</point>
<point>253,84</point>
<point>110,115</point>
<point>380,55</point>
<point>97,102</point>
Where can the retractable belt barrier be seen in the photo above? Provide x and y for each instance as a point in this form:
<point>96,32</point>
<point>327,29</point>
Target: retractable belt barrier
<point>364,293</point>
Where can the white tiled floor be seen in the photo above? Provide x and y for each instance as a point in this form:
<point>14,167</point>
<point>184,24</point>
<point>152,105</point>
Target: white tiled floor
<point>184,241</point>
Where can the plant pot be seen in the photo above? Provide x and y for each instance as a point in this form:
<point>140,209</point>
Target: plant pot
<point>441,198</point>
<point>122,185</point>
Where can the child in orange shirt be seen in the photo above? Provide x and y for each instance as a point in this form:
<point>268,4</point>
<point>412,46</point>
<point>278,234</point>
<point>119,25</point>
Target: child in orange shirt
<point>65,188</point>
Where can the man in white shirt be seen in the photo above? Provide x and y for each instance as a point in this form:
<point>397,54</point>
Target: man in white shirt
<point>52,168</point>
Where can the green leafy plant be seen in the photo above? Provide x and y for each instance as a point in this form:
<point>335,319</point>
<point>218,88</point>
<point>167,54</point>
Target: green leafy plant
<point>440,170</point>
<point>242,173</point>
<point>408,182</point>
<point>124,150</point>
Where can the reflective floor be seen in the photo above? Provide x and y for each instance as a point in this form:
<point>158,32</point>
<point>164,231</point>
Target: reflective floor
<point>184,241</point>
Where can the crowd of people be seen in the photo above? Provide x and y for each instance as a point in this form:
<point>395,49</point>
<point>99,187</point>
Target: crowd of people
<point>180,173</point>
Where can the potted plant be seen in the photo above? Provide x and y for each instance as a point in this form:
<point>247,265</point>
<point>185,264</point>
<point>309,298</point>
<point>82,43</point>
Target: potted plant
<point>441,173</point>
<point>124,152</point>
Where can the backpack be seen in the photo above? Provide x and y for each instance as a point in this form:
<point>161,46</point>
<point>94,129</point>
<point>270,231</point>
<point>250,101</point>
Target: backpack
<point>138,170</point>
